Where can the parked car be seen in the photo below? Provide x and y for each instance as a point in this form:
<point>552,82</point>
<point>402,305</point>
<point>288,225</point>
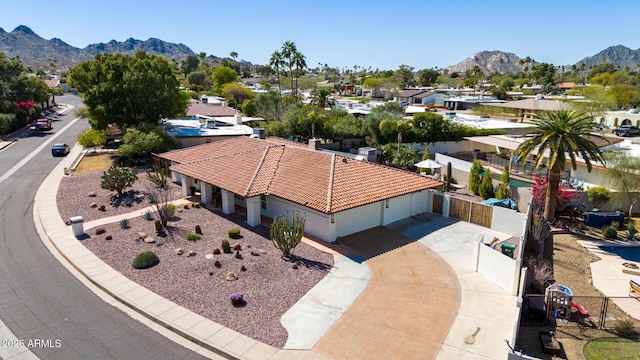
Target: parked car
<point>60,149</point>
<point>43,124</point>
<point>627,130</point>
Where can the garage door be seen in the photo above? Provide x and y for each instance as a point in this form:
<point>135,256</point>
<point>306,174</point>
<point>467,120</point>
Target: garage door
<point>358,219</point>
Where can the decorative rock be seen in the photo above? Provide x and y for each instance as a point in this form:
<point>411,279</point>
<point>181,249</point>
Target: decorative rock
<point>209,256</point>
<point>294,266</point>
<point>141,235</point>
<point>215,251</point>
<point>191,253</point>
<point>149,240</point>
<point>262,251</point>
<point>93,205</point>
<point>92,194</point>
<point>108,237</point>
<point>236,247</point>
<point>254,253</point>
<point>231,276</point>
<point>179,251</point>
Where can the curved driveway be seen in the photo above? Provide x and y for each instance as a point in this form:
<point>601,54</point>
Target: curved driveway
<point>39,298</point>
<point>407,309</point>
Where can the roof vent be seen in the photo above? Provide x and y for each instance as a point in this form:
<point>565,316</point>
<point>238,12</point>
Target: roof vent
<point>314,144</point>
<point>368,153</point>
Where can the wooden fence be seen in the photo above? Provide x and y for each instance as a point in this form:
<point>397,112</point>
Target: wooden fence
<point>438,203</point>
<point>465,210</point>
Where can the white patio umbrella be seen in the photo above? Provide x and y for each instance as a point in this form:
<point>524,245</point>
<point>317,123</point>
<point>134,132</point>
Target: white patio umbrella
<point>428,164</point>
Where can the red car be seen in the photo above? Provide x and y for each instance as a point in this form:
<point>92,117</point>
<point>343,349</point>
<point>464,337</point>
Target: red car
<point>43,124</point>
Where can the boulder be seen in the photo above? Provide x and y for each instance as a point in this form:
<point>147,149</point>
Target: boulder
<point>231,276</point>
<point>179,251</point>
<point>149,240</point>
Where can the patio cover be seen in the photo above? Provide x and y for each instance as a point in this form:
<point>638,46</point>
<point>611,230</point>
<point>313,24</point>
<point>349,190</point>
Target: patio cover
<point>430,164</point>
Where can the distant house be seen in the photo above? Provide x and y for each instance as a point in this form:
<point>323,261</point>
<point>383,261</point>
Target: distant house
<point>266,177</point>
<point>199,108</point>
<point>413,96</point>
<point>204,129</point>
<point>519,108</point>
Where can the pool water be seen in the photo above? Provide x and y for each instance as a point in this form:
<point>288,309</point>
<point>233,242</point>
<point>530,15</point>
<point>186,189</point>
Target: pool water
<point>512,182</point>
<point>627,253</point>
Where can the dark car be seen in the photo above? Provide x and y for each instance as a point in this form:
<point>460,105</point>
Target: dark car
<point>59,149</point>
<point>627,130</point>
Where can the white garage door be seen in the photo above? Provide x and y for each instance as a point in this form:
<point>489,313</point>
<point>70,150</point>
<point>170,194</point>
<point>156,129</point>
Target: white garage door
<point>358,219</point>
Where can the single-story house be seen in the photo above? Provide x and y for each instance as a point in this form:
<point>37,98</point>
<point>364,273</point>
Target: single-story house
<point>199,108</point>
<point>268,177</point>
<point>413,96</point>
<point>203,129</point>
<point>519,108</point>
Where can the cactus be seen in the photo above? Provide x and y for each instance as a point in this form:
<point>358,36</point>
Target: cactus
<point>226,247</point>
<point>234,233</point>
<point>198,229</point>
<point>159,227</point>
<point>148,215</point>
<point>448,184</point>
<point>238,255</point>
<point>286,234</point>
<point>124,223</point>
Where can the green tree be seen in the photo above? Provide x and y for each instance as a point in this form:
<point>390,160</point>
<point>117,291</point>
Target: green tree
<point>92,138</point>
<point>432,128</point>
<point>503,188</point>
<point>238,92</point>
<point>397,126</point>
<point>321,97</point>
<point>486,186</point>
<point>117,178</point>
<point>197,77</point>
<point>427,77</point>
<point>623,171</point>
<point>128,90</point>
<point>406,157</point>
<point>404,75</point>
<point>373,83</point>
<point>144,143</point>
<point>189,64</point>
<point>267,105</point>
<point>300,63</point>
<point>277,61</point>
<point>223,75</point>
<point>288,51</point>
<point>562,133</point>
<point>248,108</point>
<point>474,177</point>
<point>233,55</point>
<point>598,195</point>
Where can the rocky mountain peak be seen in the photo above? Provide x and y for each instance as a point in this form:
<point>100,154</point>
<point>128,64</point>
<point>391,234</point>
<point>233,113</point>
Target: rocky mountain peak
<point>24,29</point>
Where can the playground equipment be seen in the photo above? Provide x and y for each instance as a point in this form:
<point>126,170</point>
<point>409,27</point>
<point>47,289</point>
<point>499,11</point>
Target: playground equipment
<point>559,300</point>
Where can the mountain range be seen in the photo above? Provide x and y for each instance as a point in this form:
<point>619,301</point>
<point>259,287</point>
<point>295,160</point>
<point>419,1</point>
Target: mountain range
<point>37,52</point>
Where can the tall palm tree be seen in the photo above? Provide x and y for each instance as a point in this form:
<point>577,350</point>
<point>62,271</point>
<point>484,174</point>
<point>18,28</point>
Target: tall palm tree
<point>233,55</point>
<point>288,50</point>
<point>277,60</point>
<point>562,133</point>
<point>299,61</point>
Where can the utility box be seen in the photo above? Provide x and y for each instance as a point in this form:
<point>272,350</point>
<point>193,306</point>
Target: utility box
<point>77,224</point>
<point>508,249</point>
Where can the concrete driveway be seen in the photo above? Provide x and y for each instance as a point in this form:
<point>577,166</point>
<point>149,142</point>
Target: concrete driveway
<point>406,310</point>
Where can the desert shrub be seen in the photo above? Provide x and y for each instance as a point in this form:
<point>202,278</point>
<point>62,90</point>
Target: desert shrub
<point>159,227</point>
<point>198,229</point>
<point>195,205</point>
<point>158,177</point>
<point>474,177</point>
<point>185,206</point>
<point>609,232</point>
<point>238,255</point>
<point>215,251</point>
<point>486,186</point>
<point>625,328</point>
<point>148,215</point>
<point>631,230</point>
<point>145,260</point>
<point>193,237</point>
<point>541,275</point>
<point>151,198</point>
<point>226,247</point>
<point>127,201</point>
<point>170,209</point>
<point>234,233</point>
<point>598,195</point>
<point>100,231</point>
<point>124,223</point>
<point>286,234</point>
<point>102,208</point>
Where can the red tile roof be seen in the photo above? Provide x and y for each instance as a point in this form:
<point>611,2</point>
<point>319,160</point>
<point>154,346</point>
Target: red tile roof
<point>322,181</point>
<point>198,108</point>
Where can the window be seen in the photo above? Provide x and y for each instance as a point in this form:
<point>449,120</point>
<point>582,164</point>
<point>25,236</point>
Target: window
<point>263,202</point>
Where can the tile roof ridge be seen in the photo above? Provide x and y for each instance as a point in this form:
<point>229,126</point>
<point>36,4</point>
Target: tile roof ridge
<point>260,165</point>
<point>225,155</point>
<point>330,187</point>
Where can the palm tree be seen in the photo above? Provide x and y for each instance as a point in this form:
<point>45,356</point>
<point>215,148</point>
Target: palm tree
<point>321,97</point>
<point>277,60</point>
<point>300,64</point>
<point>234,55</point>
<point>400,126</point>
<point>288,50</point>
<point>561,133</point>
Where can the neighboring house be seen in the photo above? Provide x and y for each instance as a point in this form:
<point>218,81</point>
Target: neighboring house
<point>519,108</point>
<point>199,108</point>
<point>614,119</point>
<point>413,96</point>
<point>203,129</point>
<point>338,195</point>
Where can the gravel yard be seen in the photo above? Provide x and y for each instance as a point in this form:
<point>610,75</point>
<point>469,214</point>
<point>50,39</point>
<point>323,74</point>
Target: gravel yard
<point>270,284</point>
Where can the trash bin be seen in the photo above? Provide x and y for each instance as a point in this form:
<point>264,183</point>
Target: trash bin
<point>77,224</point>
<point>508,249</point>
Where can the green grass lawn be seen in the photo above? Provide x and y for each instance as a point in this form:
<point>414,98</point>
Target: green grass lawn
<point>612,349</point>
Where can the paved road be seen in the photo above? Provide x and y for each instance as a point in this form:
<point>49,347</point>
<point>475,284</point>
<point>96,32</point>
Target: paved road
<point>39,298</point>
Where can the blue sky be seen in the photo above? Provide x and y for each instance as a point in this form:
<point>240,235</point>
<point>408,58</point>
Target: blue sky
<point>379,34</point>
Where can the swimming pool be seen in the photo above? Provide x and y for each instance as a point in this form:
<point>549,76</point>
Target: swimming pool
<point>512,182</point>
<point>631,253</point>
